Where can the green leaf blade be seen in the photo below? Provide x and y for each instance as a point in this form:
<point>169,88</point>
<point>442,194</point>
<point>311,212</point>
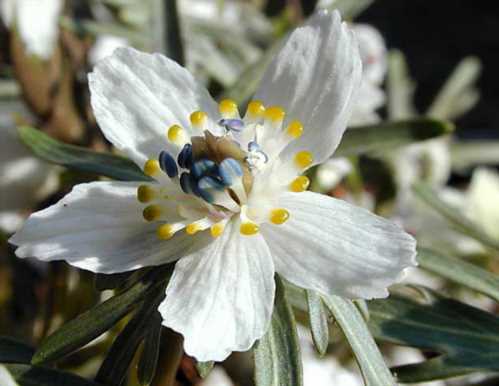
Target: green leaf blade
<point>277,354</point>
<point>389,135</point>
<point>318,321</point>
<point>372,365</point>
<point>462,272</point>
<point>79,158</point>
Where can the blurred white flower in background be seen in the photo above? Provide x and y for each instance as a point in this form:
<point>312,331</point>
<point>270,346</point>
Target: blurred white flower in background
<point>371,95</point>
<point>36,21</point>
<point>6,378</point>
<point>24,179</point>
<point>220,38</point>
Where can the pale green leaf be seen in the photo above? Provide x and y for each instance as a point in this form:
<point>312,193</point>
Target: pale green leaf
<point>277,354</point>
<point>318,317</point>
<point>461,272</point>
<point>371,363</point>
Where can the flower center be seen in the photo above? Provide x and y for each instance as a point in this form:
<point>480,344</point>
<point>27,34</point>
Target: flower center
<point>211,178</point>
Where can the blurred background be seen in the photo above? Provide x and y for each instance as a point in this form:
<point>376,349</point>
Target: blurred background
<point>48,47</point>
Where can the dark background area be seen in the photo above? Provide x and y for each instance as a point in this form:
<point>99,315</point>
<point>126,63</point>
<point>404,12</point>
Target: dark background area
<point>434,36</point>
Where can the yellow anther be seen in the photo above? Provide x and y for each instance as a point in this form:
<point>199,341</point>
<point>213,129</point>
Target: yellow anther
<point>165,232</point>
<point>274,114</point>
<point>198,118</point>
<point>299,184</point>
<point>192,229</point>
<point>249,228</point>
<point>145,193</point>
<point>228,108</point>
<point>295,129</point>
<point>152,212</point>
<point>255,109</point>
<point>279,216</point>
<point>151,168</point>
<point>217,229</point>
<point>175,134</point>
<point>303,159</point>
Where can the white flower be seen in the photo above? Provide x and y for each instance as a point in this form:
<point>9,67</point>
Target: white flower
<point>482,201</point>
<point>238,212</point>
<point>6,378</point>
<point>36,21</point>
<point>371,95</point>
<point>24,179</point>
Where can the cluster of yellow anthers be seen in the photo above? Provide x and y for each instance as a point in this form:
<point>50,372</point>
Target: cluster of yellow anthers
<point>256,113</point>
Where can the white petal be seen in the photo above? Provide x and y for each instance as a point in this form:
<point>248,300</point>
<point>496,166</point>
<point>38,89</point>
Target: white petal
<point>37,22</point>
<point>99,227</point>
<point>6,378</point>
<point>136,97</point>
<point>336,248</point>
<point>221,298</point>
<point>314,78</point>
<point>369,99</point>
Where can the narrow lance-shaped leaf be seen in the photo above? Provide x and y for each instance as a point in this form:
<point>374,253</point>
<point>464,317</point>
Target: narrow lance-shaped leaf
<point>400,87</point>
<point>79,158</point>
<point>454,216</point>
<point>388,135</point>
<point>115,366</point>
<point>462,272</point>
<point>277,354</point>
<point>458,95</point>
<point>354,327</point>
<point>89,325</point>
<point>26,375</point>
<point>150,353</point>
<point>467,338</point>
<point>318,317</point>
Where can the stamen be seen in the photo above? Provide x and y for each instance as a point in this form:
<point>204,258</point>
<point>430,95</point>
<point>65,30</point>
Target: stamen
<point>303,159</point>
<point>295,129</point>
<point>249,228</point>
<point>184,158</point>
<point>145,193</point>
<point>152,213</point>
<point>198,119</point>
<point>151,168</point>
<point>165,232</point>
<point>255,110</point>
<point>228,109</point>
<point>192,228</point>
<point>198,226</point>
<point>275,115</point>
<point>168,164</point>
<point>177,135</point>
<point>217,229</point>
<point>279,216</point>
<point>300,184</point>
<point>232,125</point>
